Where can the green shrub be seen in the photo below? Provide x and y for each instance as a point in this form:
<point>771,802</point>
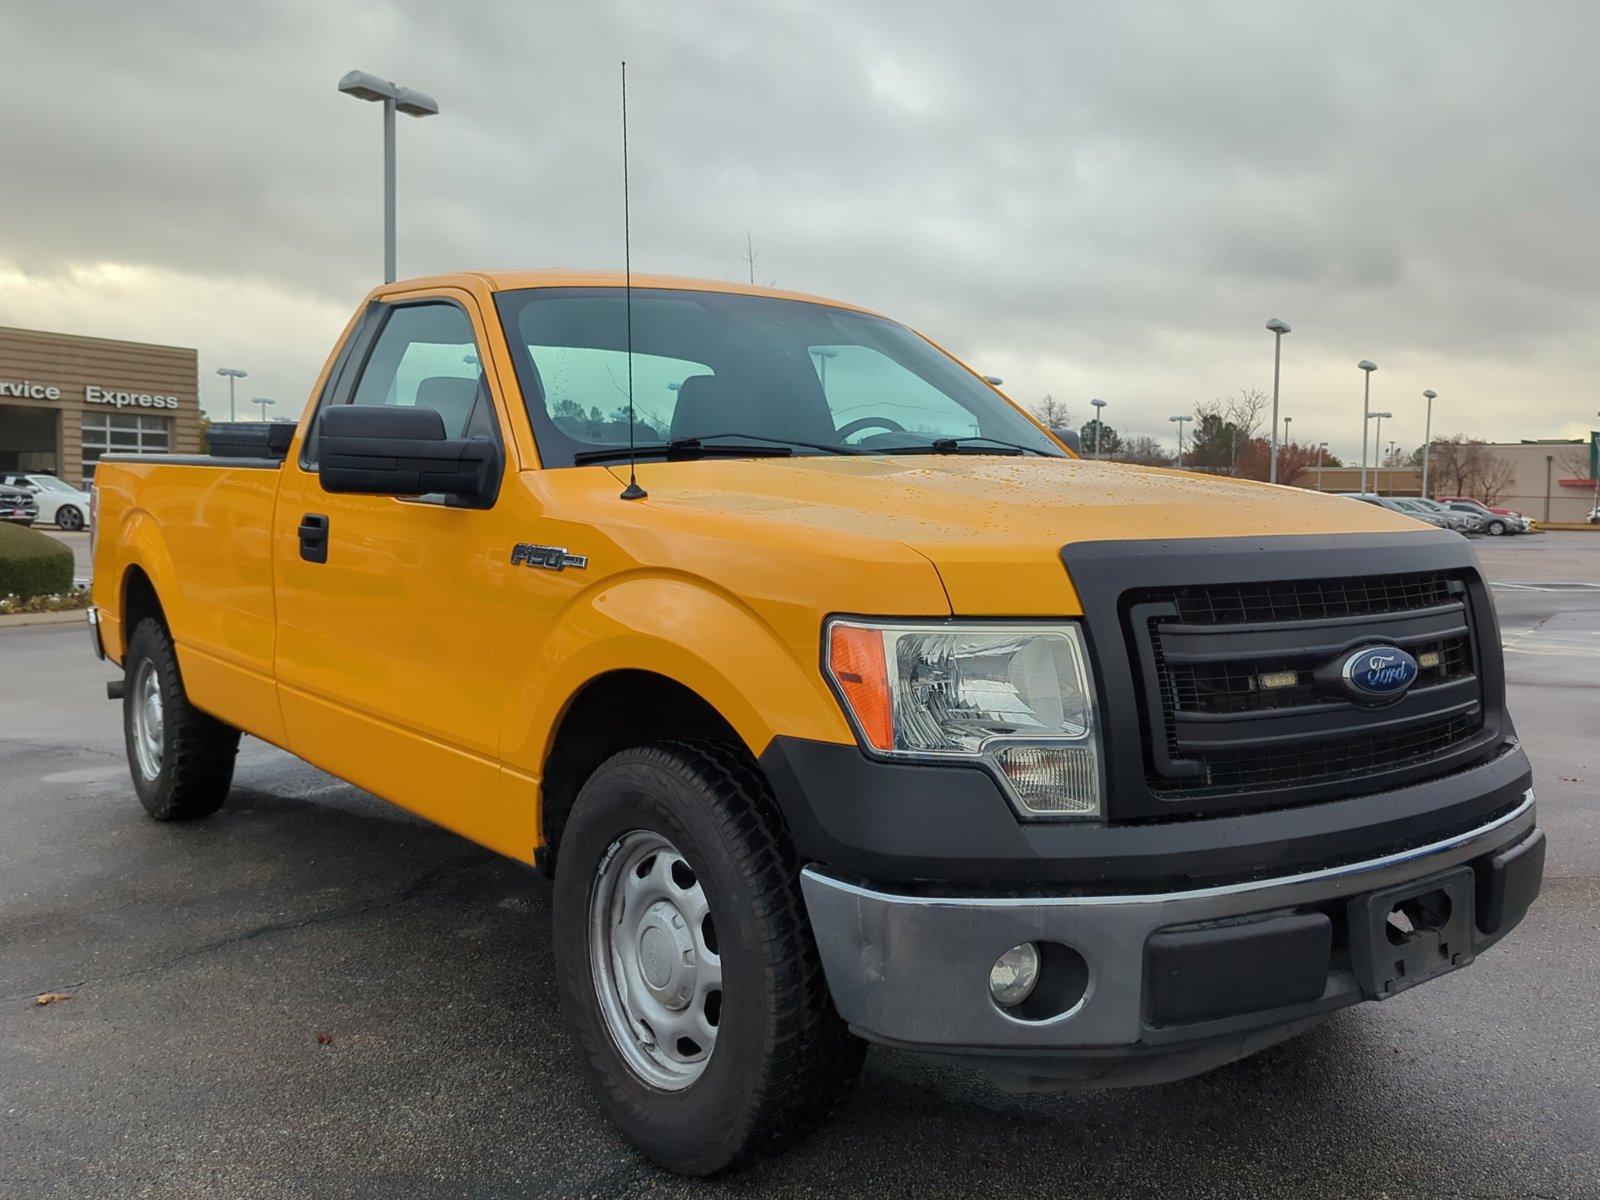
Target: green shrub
<point>32,564</point>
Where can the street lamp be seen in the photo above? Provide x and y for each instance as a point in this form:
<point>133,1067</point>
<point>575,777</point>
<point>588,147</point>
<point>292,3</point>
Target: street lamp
<point>1427,439</point>
<point>1322,448</point>
<point>1278,328</point>
<point>232,374</point>
<point>1179,422</point>
<point>1377,440</point>
<point>395,98</point>
<point>1098,422</point>
<point>824,353</point>
<point>1286,440</point>
<point>264,401</point>
<point>1368,367</point>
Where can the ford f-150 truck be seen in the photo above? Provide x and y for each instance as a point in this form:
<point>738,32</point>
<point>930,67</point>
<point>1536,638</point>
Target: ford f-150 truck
<point>867,713</point>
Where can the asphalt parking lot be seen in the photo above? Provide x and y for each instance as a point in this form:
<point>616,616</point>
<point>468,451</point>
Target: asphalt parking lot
<point>314,994</point>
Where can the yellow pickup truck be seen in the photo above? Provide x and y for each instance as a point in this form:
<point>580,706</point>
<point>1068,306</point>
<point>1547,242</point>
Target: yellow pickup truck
<point>870,713</point>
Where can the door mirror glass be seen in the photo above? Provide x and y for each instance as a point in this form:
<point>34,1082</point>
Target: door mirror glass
<point>403,451</point>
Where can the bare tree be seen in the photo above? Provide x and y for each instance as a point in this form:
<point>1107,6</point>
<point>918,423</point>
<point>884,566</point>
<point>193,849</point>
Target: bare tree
<point>1493,478</point>
<point>1145,452</point>
<point>1052,413</point>
<point>1452,464</point>
<point>1243,410</point>
<point>1573,462</point>
<point>749,258</point>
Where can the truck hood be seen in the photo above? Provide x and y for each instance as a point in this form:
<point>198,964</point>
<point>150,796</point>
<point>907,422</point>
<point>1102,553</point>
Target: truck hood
<point>993,527</point>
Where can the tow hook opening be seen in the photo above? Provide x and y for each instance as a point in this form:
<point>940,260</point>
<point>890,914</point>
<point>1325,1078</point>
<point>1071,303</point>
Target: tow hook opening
<point>1415,915</point>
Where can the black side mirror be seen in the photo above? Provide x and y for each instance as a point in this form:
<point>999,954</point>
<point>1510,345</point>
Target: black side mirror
<point>1070,439</point>
<point>391,451</point>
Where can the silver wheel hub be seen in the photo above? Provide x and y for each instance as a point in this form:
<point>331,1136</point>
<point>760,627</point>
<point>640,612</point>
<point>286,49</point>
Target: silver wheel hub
<point>652,950</point>
<point>149,724</point>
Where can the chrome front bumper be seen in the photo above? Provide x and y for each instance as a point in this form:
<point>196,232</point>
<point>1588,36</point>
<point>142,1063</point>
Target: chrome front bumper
<point>913,970</point>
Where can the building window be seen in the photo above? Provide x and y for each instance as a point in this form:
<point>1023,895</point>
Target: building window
<point>122,433</point>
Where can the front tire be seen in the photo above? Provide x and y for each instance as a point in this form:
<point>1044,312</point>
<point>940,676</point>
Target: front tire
<point>181,759</point>
<point>69,519</point>
<point>686,963</point>
<point>1495,528</point>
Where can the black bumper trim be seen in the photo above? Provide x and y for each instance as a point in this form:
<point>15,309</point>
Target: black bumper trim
<point>906,823</point>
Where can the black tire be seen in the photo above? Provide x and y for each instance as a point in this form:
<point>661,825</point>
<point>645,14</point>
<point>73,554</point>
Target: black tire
<point>783,1060</point>
<point>68,518</point>
<point>1495,528</point>
<point>195,763</point>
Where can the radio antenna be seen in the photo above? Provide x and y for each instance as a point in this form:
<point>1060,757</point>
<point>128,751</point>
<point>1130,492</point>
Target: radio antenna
<point>633,491</point>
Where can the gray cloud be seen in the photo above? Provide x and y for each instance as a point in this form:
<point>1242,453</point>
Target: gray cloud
<point>1089,200</point>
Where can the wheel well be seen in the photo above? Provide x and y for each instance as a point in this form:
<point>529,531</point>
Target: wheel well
<point>612,713</point>
<point>139,600</point>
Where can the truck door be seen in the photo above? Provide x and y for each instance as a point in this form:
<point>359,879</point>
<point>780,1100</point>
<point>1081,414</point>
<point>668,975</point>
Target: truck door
<point>394,620</point>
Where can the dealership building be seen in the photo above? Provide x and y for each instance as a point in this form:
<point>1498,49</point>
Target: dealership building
<point>66,400</point>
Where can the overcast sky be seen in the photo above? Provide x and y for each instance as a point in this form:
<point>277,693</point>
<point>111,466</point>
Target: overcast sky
<point>1087,199</point>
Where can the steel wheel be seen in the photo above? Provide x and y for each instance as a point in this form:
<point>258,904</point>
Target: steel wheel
<point>149,726</point>
<point>653,952</point>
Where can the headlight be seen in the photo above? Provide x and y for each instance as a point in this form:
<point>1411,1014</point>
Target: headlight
<point>1016,697</point>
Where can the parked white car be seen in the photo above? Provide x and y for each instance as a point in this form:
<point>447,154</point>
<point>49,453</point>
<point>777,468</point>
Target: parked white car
<point>59,502</point>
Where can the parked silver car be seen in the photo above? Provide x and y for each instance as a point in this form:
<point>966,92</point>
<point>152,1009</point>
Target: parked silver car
<point>1402,505</point>
<point>1461,522</point>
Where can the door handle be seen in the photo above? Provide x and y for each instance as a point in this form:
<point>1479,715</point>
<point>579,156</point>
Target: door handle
<point>314,538</point>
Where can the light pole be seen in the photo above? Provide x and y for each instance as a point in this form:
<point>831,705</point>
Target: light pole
<point>1367,367</point>
<point>1377,440</point>
<point>823,354</point>
<point>1286,440</point>
<point>264,401</point>
<point>395,98</point>
<point>1179,422</point>
<point>1427,439</point>
<point>232,374</point>
<point>1322,448</point>
<point>1278,328</point>
<point>1099,406</point>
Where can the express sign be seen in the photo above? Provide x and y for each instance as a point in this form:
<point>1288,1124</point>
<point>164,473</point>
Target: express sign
<point>92,394</point>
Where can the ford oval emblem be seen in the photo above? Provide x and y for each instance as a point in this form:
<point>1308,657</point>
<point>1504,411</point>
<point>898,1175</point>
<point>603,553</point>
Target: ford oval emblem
<point>1378,673</point>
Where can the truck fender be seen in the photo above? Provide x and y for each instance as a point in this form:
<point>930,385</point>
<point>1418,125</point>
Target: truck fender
<point>688,631</point>
<point>140,545</point>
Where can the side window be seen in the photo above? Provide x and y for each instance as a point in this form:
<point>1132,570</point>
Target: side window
<point>426,357</point>
<point>875,393</point>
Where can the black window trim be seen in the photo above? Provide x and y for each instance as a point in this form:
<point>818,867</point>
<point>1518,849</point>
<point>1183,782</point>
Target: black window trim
<point>351,364</point>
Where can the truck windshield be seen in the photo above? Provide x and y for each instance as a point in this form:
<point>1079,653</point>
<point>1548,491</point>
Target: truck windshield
<point>723,368</point>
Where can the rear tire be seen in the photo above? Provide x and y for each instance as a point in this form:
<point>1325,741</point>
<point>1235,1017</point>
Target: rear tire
<point>69,519</point>
<point>181,759</point>
<point>780,1059</point>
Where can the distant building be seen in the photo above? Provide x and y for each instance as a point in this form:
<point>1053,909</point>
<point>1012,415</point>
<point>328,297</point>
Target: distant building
<point>1550,479</point>
<point>1553,478</point>
<point>66,400</point>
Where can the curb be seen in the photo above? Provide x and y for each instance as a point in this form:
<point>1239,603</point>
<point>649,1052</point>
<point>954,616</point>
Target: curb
<point>1568,527</point>
<point>72,617</point>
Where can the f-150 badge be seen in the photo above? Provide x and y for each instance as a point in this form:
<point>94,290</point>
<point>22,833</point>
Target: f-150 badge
<point>551,558</point>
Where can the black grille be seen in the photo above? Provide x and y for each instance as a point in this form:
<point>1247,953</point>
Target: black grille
<point>1346,758</point>
<point>1232,687</point>
<point>1310,599</point>
<point>1239,698</point>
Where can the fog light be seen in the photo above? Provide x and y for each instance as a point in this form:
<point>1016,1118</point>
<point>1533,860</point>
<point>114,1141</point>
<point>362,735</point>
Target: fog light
<point>1014,974</point>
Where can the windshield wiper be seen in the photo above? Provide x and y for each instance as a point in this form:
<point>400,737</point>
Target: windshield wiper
<point>682,448</point>
<point>757,445</point>
<point>963,445</point>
